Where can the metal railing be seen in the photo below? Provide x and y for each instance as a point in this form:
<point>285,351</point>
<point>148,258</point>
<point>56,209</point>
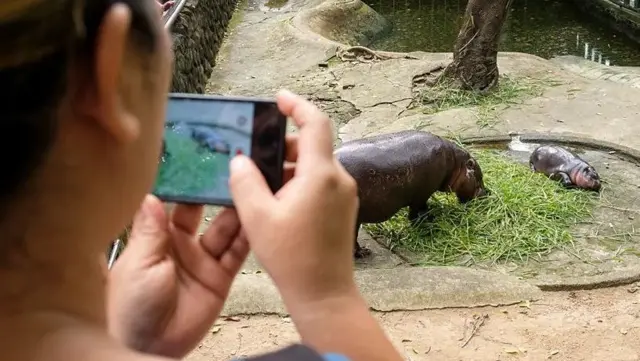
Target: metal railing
<point>633,5</point>
<point>169,18</point>
<point>590,51</point>
<point>172,14</point>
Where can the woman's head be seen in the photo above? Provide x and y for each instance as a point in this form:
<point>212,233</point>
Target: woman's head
<point>82,116</point>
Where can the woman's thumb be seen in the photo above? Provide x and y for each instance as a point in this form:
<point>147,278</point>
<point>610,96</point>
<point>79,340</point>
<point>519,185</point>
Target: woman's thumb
<point>252,197</point>
<point>149,231</point>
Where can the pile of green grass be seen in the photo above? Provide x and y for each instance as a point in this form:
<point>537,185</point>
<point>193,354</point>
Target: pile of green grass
<point>443,96</point>
<point>525,214</point>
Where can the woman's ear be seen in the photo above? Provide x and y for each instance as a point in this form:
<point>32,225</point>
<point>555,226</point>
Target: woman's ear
<point>108,68</point>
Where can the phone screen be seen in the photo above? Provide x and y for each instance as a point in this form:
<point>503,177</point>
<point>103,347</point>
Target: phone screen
<point>203,133</point>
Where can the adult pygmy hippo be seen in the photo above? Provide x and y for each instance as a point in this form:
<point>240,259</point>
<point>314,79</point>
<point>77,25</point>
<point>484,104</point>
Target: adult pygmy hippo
<point>561,165</point>
<point>210,139</point>
<point>403,169</point>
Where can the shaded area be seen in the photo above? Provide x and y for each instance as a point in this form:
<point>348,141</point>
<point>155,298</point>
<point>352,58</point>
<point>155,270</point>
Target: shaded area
<point>545,28</point>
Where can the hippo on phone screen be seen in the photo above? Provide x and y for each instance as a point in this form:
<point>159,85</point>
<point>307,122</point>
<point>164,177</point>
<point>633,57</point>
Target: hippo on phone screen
<point>561,165</point>
<point>210,139</point>
<point>403,169</point>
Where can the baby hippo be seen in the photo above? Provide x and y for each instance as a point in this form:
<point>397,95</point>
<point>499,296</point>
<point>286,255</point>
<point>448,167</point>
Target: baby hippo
<point>561,165</point>
<point>403,169</point>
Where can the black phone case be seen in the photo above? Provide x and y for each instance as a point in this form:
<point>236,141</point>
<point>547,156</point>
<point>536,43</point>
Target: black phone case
<point>228,202</point>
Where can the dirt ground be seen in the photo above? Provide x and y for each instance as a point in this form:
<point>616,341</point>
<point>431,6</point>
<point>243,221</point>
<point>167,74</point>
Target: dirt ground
<point>363,99</point>
<point>582,325</point>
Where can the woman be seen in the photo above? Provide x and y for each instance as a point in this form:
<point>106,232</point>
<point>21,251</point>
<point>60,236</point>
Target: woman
<point>87,88</point>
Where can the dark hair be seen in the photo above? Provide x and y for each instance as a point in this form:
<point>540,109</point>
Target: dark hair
<point>41,39</point>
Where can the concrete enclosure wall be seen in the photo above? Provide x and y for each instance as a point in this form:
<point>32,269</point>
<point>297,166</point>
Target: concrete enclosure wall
<point>197,35</point>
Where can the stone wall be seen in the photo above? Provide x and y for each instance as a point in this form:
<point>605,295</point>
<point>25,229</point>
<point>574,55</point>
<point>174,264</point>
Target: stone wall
<point>197,35</point>
<point>620,18</point>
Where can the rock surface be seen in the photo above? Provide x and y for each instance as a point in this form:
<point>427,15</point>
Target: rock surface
<point>272,49</point>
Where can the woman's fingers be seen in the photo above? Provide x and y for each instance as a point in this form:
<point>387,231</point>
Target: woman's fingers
<point>219,236</point>
<point>149,229</point>
<point>252,197</point>
<point>201,266</point>
<point>234,257</point>
<point>185,218</point>
<point>214,258</point>
<point>315,146</point>
<point>288,172</point>
<point>291,145</point>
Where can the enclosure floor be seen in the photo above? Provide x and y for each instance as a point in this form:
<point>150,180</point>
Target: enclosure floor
<point>568,326</point>
<point>264,53</point>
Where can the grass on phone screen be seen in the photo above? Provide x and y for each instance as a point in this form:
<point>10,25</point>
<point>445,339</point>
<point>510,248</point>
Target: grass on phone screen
<point>190,168</point>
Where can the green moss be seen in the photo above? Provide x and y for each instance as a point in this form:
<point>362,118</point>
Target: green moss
<point>276,4</point>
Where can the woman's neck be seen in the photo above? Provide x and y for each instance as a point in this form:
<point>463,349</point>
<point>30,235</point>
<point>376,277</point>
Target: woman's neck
<point>74,289</point>
<point>51,266</point>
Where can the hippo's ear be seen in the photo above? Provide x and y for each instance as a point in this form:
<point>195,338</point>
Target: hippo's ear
<point>471,164</point>
<point>591,173</point>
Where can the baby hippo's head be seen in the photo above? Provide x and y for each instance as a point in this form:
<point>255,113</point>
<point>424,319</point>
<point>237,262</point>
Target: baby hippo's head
<point>587,178</point>
<point>469,184</point>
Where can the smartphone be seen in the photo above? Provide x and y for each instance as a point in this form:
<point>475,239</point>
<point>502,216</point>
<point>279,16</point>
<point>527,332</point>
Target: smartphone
<point>204,132</point>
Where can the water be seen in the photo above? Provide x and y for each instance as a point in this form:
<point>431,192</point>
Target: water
<point>521,151</point>
<point>546,28</point>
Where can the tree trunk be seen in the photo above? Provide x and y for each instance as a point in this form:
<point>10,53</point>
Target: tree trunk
<point>475,65</point>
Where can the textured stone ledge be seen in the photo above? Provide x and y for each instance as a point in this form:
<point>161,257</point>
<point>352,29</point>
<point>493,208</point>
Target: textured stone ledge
<point>197,36</point>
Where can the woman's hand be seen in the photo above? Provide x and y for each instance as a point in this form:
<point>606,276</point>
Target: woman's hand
<point>170,284</point>
<point>303,235</point>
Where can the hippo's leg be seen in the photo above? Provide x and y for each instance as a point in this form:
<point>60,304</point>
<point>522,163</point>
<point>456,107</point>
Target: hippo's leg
<point>417,210</point>
<point>563,178</point>
<point>359,251</point>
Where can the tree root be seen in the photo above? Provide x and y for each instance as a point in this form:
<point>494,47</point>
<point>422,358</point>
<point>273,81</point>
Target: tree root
<point>366,55</point>
<point>429,77</point>
<point>443,72</point>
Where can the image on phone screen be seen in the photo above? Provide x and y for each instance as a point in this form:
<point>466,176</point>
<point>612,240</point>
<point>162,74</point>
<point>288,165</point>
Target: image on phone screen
<point>202,135</point>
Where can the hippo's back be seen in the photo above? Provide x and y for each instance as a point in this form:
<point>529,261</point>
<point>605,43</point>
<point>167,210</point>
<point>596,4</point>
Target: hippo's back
<point>396,148</point>
<point>549,159</point>
<point>392,170</point>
